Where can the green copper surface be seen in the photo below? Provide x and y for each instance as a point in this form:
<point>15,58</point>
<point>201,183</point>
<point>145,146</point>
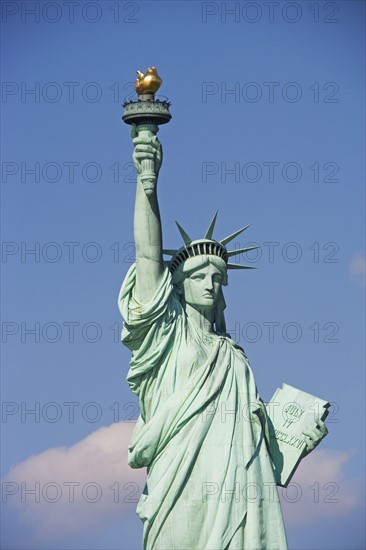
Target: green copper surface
<point>204,434</point>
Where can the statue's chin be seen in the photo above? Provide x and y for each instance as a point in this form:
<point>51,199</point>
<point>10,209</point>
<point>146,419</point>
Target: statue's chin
<point>199,306</point>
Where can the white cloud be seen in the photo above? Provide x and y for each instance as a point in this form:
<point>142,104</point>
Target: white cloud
<point>320,489</point>
<point>99,462</point>
<point>96,465</point>
<point>357,269</point>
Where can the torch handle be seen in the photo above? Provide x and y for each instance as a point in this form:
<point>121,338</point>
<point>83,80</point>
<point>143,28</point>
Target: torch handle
<point>148,173</point>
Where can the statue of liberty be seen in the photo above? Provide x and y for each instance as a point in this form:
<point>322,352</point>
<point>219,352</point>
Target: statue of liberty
<point>209,466</point>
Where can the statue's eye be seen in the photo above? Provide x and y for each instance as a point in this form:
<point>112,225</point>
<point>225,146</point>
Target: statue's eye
<point>198,276</point>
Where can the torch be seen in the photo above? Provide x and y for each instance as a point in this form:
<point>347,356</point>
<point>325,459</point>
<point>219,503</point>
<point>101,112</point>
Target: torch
<point>147,113</point>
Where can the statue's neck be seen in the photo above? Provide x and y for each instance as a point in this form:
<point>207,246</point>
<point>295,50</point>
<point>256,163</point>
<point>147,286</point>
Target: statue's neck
<point>203,319</point>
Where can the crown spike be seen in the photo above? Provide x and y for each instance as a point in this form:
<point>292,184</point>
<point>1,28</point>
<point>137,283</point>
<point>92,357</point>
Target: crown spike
<point>231,237</point>
<point>169,252</point>
<point>185,237</point>
<point>241,250</point>
<point>211,227</point>
<point>239,266</point>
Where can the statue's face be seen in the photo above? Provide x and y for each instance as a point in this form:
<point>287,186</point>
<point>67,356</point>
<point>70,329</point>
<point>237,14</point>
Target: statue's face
<point>202,287</point>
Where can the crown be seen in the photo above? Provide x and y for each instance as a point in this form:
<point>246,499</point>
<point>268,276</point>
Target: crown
<point>205,246</point>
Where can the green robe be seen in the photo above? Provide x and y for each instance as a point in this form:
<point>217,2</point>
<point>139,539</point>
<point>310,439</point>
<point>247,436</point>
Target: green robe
<point>201,435</point>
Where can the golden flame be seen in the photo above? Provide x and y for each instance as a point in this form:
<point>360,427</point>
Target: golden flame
<point>148,83</point>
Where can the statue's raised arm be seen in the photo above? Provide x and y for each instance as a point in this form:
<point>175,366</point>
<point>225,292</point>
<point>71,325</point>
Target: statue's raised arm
<point>147,223</point>
<point>145,115</point>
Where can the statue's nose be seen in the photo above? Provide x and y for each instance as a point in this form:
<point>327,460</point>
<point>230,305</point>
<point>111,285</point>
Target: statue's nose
<point>209,283</point>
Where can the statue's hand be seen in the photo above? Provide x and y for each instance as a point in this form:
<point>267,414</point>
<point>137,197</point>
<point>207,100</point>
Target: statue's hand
<point>146,147</point>
<point>314,435</point>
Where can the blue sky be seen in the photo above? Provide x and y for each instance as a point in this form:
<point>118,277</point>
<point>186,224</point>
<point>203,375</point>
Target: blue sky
<point>268,127</point>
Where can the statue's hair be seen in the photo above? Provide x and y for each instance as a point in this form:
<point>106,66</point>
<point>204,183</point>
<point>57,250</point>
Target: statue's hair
<point>197,262</point>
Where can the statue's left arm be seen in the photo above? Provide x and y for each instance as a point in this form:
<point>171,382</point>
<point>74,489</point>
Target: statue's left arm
<point>313,435</point>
